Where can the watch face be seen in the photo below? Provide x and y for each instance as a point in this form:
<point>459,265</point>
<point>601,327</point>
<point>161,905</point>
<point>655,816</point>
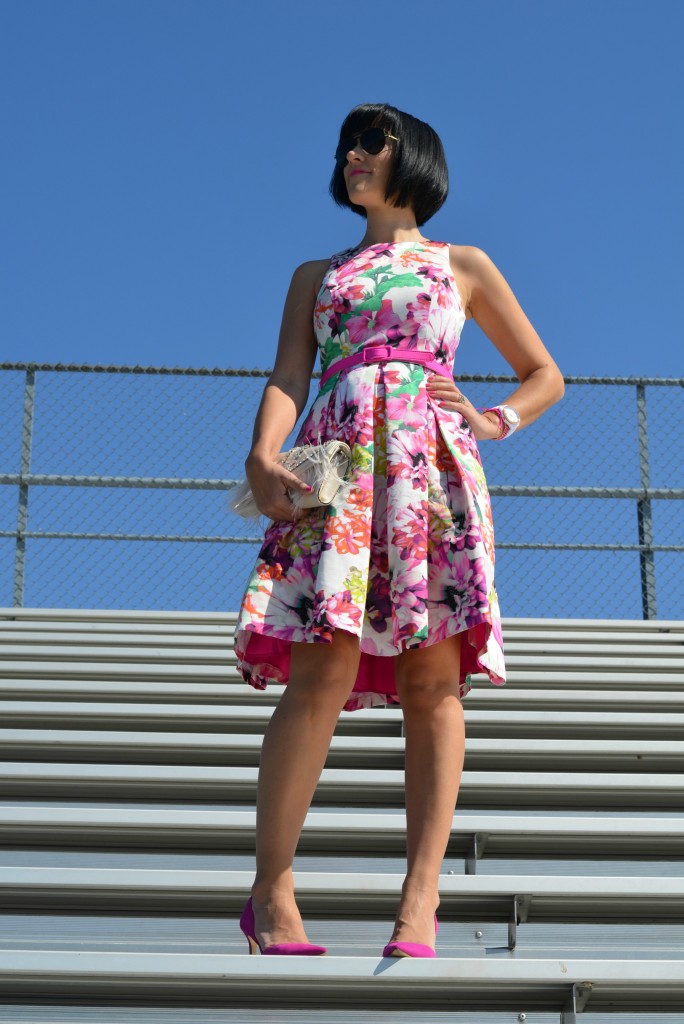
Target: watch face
<point>510,415</point>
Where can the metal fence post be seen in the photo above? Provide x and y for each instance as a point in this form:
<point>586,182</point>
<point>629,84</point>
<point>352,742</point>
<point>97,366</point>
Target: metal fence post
<point>644,517</point>
<point>24,470</point>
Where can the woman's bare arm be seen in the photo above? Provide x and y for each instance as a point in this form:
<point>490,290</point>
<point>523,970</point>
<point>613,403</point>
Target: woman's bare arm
<point>497,311</point>
<point>285,396</point>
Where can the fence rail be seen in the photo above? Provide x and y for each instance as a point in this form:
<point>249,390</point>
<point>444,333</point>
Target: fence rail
<point>142,428</point>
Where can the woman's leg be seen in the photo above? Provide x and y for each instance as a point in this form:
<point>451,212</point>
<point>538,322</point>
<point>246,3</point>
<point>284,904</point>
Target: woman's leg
<point>295,747</point>
<point>427,684</point>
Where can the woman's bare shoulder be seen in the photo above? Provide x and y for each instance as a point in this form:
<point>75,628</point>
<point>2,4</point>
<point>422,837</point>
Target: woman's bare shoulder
<point>471,261</point>
<point>474,269</point>
<point>313,272</point>
<point>464,260</point>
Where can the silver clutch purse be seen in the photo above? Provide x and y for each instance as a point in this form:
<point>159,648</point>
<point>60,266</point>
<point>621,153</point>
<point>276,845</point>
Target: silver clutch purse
<point>323,466</point>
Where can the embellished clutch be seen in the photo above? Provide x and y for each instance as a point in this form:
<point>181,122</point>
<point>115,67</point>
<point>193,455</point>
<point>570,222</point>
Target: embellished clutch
<point>322,466</point>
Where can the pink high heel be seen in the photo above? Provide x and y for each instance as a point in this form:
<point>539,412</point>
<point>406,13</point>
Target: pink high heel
<point>279,948</point>
<point>410,948</point>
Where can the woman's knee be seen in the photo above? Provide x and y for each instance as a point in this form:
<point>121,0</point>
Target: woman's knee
<point>425,676</point>
<point>325,672</point>
<point>419,693</point>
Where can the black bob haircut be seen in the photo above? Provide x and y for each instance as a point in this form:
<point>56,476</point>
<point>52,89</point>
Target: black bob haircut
<point>419,176</point>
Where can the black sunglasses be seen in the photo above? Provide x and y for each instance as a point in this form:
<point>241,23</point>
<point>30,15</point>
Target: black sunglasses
<point>371,139</point>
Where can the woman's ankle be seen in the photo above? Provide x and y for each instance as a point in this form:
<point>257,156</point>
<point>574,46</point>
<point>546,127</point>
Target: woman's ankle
<point>429,886</point>
<point>420,890</point>
<point>267,890</point>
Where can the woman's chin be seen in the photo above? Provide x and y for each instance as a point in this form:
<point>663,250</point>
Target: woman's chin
<point>359,199</point>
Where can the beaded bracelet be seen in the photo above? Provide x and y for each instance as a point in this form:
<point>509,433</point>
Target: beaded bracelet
<point>504,429</point>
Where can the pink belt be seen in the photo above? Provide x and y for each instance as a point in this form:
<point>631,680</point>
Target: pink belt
<point>385,354</point>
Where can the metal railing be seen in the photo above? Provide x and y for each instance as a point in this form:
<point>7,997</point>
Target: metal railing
<point>181,432</point>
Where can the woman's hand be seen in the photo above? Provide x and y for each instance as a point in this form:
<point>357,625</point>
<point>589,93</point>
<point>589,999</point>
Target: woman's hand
<point>270,483</point>
<point>449,396</point>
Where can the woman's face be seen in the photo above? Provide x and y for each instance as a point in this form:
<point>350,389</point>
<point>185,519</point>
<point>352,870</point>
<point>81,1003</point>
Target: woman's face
<point>366,175</point>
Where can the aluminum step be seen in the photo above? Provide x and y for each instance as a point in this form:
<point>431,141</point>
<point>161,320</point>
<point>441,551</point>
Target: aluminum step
<point>52,780</point>
<point>462,897</point>
<point>580,657</point>
<point>511,697</point>
<point>491,722</point>
<point>36,643</point>
<point>471,835</point>
<point>564,986</point>
<point>524,754</point>
<point>624,675</point>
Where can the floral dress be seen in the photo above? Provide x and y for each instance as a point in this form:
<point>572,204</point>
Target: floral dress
<point>404,557</point>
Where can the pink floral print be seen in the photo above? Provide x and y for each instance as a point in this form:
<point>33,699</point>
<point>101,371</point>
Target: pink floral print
<point>405,556</point>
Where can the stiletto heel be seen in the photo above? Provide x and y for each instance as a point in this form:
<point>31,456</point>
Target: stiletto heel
<point>278,948</point>
<point>410,948</point>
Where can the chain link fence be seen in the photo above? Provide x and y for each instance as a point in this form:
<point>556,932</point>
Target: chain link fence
<point>115,481</point>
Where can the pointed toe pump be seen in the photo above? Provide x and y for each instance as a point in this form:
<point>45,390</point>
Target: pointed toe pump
<point>410,948</point>
<point>278,948</point>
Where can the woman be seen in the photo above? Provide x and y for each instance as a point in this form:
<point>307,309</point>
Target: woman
<point>387,595</point>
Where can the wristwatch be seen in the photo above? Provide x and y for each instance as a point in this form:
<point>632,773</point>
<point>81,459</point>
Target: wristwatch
<point>509,420</point>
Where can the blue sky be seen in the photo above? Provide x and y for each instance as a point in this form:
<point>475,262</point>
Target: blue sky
<point>166,166</point>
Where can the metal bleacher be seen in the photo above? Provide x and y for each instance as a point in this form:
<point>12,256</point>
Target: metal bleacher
<point>130,750</point>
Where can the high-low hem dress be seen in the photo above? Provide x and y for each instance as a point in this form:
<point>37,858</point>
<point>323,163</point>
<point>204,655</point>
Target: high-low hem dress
<point>404,557</point>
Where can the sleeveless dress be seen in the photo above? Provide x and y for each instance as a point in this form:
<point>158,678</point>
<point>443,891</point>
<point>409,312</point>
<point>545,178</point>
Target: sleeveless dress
<point>404,557</point>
